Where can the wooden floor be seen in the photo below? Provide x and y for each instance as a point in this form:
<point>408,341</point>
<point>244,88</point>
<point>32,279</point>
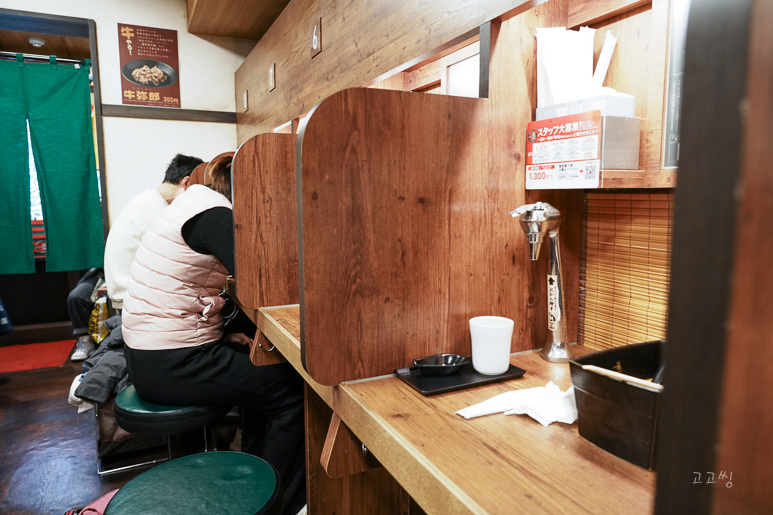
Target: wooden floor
<point>47,450</point>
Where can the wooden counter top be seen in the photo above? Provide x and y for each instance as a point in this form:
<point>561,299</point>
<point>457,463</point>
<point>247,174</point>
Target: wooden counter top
<point>495,464</point>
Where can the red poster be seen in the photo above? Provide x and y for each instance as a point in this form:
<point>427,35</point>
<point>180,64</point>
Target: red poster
<point>150,72</point>
<point>564,152</point>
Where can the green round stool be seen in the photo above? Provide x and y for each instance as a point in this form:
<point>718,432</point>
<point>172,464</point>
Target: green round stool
<point>140,416</point>
<point>215,482</point>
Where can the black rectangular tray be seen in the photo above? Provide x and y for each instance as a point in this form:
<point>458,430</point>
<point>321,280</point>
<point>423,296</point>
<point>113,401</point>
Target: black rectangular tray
<point>466,377</point>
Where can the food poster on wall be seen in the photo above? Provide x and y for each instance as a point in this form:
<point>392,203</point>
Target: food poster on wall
<point>150,73</point>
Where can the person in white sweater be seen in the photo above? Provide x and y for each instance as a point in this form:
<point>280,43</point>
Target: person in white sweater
<point>127,230</point>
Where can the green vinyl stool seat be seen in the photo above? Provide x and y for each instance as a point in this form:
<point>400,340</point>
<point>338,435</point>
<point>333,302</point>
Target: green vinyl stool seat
<point>140,416</point>
<point>177,423</point>
<point>215,482</point>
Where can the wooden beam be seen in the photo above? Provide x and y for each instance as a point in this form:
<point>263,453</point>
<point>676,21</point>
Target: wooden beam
<point>163,113</point>
<point>587,12</point>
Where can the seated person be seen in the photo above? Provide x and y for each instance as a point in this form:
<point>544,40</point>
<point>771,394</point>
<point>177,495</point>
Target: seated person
<point>127,230</point>
<point>79,306</point>
<point>176,349</point>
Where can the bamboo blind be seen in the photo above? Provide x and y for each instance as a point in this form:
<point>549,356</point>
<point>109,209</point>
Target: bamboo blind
<point>624,269</point>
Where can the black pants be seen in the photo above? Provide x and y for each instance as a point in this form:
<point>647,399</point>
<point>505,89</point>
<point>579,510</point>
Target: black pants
<point>221,374</point>
<point>79,303</point>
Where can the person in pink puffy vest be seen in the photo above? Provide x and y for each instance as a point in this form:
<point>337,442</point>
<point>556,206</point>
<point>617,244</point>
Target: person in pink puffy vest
<point>177,350</point>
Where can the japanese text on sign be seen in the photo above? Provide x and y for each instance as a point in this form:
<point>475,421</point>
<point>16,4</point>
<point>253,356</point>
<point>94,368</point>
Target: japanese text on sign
<point>563,153</point>
<point>149,66</point>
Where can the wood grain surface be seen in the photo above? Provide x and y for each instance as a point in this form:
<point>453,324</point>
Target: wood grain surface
<point>265,227</point>
<point>371,491</point>
<point>197,176</point>
<point>585,12</point>
<point>496,464</point>
<point>656,104</point>
<point>638,67</point>
<point>235,19</point>
<point>363,42</point>
<point>406,231</point>
<point>709,263</point>
<point>207,179</point>
<point>746,417</point>
<point>61,46</point>
<point>637,179</point>
<point>343,454</point>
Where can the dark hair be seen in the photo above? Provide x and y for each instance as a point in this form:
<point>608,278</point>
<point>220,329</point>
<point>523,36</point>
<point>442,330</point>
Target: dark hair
<point>180,168</point>
<point>218,175</point>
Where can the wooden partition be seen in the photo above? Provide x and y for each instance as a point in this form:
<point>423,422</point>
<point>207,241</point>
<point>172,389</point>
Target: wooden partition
<point>266,235</point>
<point>197,176</point>
<point>404,201</point>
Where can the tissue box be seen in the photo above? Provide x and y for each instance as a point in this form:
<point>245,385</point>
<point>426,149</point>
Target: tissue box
<point>610,104</point>
<point>619,417</point>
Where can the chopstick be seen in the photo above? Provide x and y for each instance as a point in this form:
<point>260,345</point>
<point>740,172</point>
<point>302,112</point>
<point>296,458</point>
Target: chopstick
<point>624,377</point>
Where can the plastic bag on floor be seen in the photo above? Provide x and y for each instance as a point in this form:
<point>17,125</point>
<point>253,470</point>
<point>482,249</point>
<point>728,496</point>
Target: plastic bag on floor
<point>83,405</point>
<point>97,329</point>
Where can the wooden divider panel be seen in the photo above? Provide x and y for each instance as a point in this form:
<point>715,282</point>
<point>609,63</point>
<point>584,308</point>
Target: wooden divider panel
<point>197,176</point>
<point>207,168</point>
<point>265,221</point>
<point>404,200</point>
<point>406,231</point>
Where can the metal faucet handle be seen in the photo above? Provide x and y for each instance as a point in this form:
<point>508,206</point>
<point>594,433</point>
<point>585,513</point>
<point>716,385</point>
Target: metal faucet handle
<point>518,211</point>
<point>539,211</point>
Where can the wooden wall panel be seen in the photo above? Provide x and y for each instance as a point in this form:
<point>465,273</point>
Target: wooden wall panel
<point>265,221</point>
<point>406,231</point>
<point>513,88</point>
<point>638,67</point>
<point>626,74</point>
<point>657,66</point>
<point>361,41</point>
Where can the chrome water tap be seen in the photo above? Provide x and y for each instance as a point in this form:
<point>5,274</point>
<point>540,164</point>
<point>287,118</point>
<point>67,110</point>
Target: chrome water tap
<point>540,220</point>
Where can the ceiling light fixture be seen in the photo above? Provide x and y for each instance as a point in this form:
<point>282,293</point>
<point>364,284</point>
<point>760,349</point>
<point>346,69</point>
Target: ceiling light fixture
<point>37,42</point>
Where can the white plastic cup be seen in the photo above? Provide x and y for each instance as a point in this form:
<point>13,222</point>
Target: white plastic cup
<point>491,338</point>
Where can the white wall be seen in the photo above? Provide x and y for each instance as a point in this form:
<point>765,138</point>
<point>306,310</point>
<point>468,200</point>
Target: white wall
<point>138,151</point>
<point>142,163</point>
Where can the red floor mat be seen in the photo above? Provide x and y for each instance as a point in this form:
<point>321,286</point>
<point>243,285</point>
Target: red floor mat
<point>34,355</point>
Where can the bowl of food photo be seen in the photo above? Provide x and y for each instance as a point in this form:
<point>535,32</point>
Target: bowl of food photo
<point>149,73</point>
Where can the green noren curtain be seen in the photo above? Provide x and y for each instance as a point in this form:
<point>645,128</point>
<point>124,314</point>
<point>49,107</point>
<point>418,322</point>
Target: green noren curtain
<point>15,225</point>
<point>56,100</point>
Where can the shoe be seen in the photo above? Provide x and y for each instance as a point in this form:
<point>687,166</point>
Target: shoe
<point>83,348</point>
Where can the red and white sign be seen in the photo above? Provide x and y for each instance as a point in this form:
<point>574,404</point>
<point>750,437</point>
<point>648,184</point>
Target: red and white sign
<point>564,152</point>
